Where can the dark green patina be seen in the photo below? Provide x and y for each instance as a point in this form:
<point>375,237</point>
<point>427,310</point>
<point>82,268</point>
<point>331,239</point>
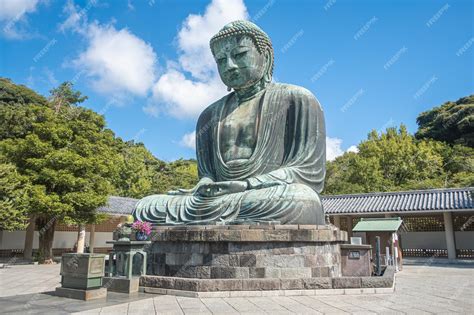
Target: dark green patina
<point>82,271</point>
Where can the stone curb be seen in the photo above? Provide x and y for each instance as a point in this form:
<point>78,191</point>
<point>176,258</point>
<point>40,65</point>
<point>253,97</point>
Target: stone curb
<point>270,287</point>
<point>225,294</point>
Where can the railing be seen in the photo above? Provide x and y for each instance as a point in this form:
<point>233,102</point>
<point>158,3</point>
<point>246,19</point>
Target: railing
<point>441,253</point>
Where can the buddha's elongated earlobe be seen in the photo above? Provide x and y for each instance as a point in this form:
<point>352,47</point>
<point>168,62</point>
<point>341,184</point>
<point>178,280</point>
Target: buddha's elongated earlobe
<point>267,77</point>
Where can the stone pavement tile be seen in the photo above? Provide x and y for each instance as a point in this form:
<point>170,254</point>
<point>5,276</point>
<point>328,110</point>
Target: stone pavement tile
<point>293,306</point>
<point>218,306</point>
<point>371,303</point>
<point>145,306</point>
<point>423,303</point>
<point>192,305</point>
<point>317,305</point>
<point>166,304</point>
<point>115,309</point>
<point>89,312</point>
<point>243,305</point>
<point>340,302</point>
<point>266,304</point>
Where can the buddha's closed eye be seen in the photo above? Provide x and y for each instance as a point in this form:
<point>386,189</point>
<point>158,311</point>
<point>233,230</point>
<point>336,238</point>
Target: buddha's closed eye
<point>240,54</point>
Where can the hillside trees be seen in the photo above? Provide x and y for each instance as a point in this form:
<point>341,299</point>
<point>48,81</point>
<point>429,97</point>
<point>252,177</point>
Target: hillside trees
<point>452,122</point>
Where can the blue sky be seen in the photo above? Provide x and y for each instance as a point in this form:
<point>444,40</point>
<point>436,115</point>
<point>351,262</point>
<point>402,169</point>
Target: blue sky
<point>146,65</point>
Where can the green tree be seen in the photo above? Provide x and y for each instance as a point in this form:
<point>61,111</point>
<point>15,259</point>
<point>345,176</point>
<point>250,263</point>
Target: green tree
<point>178,174</point>
<point>395,160</point>
<point>452,122</point>
<point>65,95</point>
<point>70,160</point>
<point>14,200</point>
<point>137,170</point>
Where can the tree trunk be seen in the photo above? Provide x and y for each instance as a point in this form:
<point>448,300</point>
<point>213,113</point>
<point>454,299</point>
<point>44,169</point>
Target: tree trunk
<point>81,238</point>
<point>29,238</point>
<point>46,238</point>
<point>92,239</point>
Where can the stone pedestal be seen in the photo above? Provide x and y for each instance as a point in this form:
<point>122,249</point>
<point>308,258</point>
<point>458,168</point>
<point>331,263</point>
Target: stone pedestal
<point>81,276</point>
<point>122,285</point>
<point>243,257</point>
<point>127,262</point>
<point>127,258</point>
<point>356,260</point>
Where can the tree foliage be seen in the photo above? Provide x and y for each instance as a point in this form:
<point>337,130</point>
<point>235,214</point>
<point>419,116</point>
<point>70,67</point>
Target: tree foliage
<point>452,122</point>
<point>395,160</point>
<point>65,152</point>
<point>14,201</point>
<point>60,162</point>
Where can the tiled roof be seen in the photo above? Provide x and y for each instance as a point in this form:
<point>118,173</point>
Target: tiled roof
<point>119,206</point>
<point>401,201</point>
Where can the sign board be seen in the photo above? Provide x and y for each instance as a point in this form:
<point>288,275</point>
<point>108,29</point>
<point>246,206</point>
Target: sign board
<point>354,254</point>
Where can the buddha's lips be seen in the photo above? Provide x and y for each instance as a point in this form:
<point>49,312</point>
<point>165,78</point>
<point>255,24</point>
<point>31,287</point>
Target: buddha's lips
<point>232,76</point>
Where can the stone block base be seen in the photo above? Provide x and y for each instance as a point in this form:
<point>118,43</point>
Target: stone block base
<point>79,294</point>
<point>246,251</point>
<point>271,259</point>
<point>121,285</point>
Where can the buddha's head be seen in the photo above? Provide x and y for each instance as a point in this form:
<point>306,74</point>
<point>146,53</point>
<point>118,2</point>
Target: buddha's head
<point>244,55</point>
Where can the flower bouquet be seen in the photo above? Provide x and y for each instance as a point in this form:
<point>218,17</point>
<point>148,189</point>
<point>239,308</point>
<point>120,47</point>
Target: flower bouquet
<point>142,230</point>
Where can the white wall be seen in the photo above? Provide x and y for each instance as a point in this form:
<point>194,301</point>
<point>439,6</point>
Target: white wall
<point>16,239</point>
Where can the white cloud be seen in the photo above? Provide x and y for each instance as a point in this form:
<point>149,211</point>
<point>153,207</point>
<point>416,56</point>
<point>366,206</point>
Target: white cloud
<point>13,12</point>
<point>333,148</point>
<point>73,19</point>
<point>186,98</point>
<point>192,83</point>
<point>189,140</point>
<point>117,61</point>
<point>353,148</point>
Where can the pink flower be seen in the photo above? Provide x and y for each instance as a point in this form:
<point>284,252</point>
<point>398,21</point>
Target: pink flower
<point>144,227</point>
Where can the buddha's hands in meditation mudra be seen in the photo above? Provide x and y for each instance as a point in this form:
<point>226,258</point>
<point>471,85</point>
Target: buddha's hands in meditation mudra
<point>212,189</point>
<point>260,149</point>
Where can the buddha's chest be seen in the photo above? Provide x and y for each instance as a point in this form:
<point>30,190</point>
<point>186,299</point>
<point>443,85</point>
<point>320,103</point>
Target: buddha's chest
<point>239,130</point>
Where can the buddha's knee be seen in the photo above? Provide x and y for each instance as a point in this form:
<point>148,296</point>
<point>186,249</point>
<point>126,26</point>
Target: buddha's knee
<point>307,203</point>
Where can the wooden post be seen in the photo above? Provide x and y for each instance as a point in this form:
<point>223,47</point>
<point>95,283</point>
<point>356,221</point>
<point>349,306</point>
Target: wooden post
<point>337,221</point>
<point>29,238</point>
<point>92,238</point>
<point>349,227</point>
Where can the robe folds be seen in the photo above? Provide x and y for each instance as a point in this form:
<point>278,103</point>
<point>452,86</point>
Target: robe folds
<point>285,172</point>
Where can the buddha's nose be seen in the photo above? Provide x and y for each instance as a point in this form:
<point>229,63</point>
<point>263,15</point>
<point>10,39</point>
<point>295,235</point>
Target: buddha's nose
<point>231,65</point>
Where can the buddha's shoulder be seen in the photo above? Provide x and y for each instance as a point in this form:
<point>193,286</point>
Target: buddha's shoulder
<point>212,109</point>
<point>291,90</point>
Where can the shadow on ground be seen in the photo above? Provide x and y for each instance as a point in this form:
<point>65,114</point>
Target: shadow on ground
<point>48,303</point>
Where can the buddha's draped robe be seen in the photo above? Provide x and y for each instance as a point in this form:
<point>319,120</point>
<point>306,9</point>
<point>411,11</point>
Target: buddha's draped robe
<point>285,172</point>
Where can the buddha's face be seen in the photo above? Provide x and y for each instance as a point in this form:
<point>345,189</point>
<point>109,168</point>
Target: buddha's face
<point>239,62</point>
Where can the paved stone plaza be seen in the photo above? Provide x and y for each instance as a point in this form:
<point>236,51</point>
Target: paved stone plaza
<point>420,289</point>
